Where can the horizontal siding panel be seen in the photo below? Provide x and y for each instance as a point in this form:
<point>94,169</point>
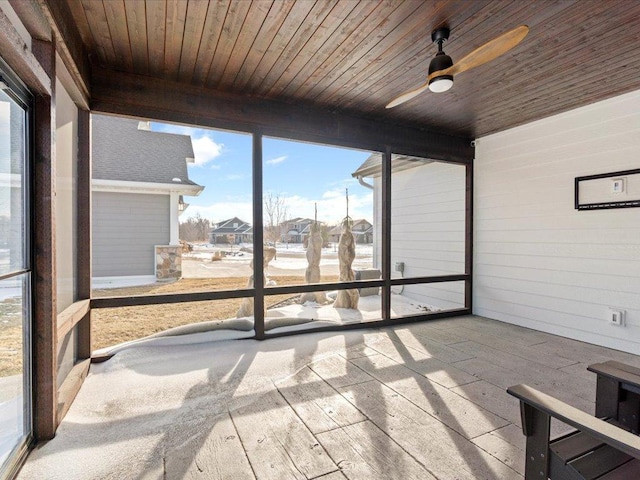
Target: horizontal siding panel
<point>431,246</point>
<point>587,308</point>
<point>623,268</point>
<point>444,296</point>
<point>566,250</point>
<point>596,236</point>
<point>554,278</point>
<point>430,213</point>
<point>587,296</point>
<point>582,143</point>
<point>126,227</point>
<point>626,120</point>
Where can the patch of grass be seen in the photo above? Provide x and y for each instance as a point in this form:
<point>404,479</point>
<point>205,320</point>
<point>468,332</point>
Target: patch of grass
<point>11,336</point>
<point>111,326</point>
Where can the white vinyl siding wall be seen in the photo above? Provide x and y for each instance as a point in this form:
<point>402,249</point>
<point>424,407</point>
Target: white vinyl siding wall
<point>427,230</point>
<point>540,263</point>
<point>126,228</point>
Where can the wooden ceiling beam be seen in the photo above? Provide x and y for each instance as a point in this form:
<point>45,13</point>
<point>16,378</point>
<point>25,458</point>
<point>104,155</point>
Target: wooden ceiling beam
<point>17,55</point>
<point>32,18</point>
<point>141,96</point>
<point>69,46</point>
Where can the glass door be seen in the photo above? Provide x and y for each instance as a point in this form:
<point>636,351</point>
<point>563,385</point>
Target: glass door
<point>15,279</point>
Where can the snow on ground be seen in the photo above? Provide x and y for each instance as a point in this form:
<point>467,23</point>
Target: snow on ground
<point>290,259</point>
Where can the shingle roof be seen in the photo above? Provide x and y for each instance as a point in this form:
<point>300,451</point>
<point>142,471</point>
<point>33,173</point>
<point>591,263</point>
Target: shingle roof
<point>226,226</point>
<point>122,152</point>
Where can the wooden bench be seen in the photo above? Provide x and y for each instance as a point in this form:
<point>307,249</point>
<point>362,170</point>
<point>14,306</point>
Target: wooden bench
<point>618,393</point>
<point>596,450</point>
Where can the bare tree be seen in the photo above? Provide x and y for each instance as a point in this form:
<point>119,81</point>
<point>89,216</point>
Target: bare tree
<point>276,213</point>
<point>195,229</point>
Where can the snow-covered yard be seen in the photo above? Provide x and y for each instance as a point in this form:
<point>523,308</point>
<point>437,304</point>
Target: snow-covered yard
<point>235,260</point>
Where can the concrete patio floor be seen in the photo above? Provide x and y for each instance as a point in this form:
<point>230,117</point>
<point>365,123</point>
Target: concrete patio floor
<point>418,401</point>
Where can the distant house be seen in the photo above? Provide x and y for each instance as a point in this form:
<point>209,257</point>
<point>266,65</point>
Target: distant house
<point>139,178</point>
<point>231,231</point>
<point>296,230</point>
<point>362,231</point>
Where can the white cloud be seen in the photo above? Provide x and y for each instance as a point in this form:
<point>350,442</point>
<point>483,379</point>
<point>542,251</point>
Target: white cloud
<point>205,149</point>
<point>277,160</point>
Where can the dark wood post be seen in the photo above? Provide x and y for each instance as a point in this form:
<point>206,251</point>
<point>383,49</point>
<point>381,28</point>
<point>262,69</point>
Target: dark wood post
<point>44,244</point>
<point>83,221</point>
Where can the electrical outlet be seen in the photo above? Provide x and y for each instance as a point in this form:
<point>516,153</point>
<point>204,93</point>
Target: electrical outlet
<point>616,317</point>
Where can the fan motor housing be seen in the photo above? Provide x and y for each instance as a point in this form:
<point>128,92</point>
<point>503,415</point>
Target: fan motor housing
<point>440,62</point>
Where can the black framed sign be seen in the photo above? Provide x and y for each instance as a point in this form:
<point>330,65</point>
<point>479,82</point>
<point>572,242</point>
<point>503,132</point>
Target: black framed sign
<point>608,190</point>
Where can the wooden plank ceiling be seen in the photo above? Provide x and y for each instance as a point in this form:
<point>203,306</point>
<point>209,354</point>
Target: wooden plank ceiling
<point>355,56</point>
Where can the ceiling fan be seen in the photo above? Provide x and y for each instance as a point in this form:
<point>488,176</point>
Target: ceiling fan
<point>442,69</point>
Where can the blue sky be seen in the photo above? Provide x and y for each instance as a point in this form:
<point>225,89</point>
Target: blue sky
<point>301,173</point>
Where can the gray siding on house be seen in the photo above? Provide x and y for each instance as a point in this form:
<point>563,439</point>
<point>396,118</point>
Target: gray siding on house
<point>126,227</point>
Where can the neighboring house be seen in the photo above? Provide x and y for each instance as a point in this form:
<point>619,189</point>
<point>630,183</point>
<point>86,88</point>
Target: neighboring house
<point>138,180</point>
<point>296,230</point>
<point>427,223</point>
<point>362,231</point>
<point>231,231</point>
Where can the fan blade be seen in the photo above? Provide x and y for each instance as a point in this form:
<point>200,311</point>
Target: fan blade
<point>408,95</point>
<point>487,52</point>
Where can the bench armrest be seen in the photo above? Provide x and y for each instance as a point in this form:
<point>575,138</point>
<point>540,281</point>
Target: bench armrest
<point>626,374</point>
<point>616,437</point>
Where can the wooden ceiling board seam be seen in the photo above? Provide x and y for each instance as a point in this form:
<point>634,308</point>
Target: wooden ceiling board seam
<point>193,32</point>
<point>362,31</point>
<point>531,109</point>
<point>532,69</point>
<point>246,39</point>
<point>175,20</point>
<point>369,81</point>
<point>372,57</point>
<point>80,19</point>
<point>312,71</point>
<point>320,11</point>
<point>97,19</point>
<point>213,28</point>
<point>401,78</point>
<point>156,21</point>
<point>236,16</point>
<point>572,95</point>
<point>515,97</point>
<point>329,32</point>
<point>573,59</point>
<point>292,22</point>
<point>116,17</point>
<point>275,18</point>
<point>383,27</point>
<point>137,27</point>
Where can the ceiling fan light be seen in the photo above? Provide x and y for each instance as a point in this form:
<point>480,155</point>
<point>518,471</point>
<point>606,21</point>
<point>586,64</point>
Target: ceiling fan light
<point>441,84</point>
